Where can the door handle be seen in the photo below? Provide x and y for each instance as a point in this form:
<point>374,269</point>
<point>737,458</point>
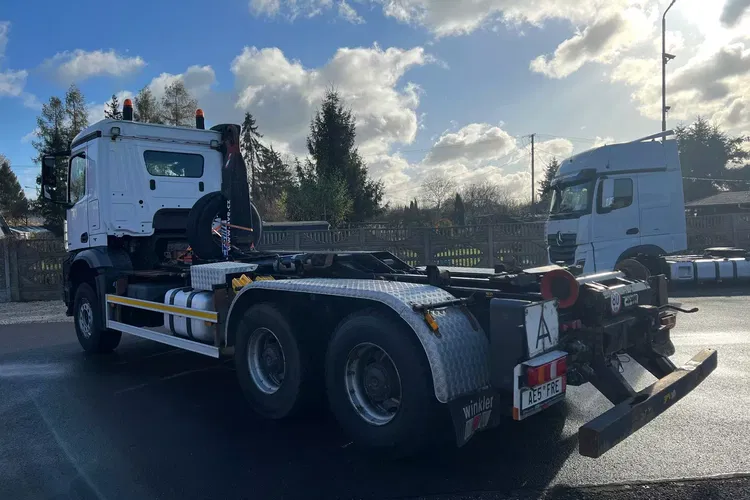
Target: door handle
<point>632,230</point>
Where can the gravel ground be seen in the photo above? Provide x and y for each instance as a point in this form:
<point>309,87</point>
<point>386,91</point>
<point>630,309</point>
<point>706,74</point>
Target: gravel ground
<point>16,313</point>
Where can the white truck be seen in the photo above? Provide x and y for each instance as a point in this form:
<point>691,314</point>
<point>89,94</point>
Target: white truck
<point>401,354</point>
<point>622,204</point>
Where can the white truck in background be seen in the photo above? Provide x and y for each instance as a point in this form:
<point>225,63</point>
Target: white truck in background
<point>623,204</point>
<point>404,356</point>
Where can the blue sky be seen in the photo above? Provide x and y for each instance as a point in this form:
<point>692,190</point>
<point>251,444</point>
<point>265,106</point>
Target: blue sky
<point>438,88</point>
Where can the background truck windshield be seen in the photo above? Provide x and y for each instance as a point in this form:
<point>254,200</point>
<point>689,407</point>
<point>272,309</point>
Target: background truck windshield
<point>571,199</point>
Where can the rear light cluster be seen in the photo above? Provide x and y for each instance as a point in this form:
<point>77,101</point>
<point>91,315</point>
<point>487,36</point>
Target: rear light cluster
<point>537,375</point>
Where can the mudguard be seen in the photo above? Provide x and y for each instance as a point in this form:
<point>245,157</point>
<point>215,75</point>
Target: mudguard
<point>458,357</point>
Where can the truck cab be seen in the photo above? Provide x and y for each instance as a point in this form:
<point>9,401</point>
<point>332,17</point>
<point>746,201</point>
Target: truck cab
<point>617,202</point>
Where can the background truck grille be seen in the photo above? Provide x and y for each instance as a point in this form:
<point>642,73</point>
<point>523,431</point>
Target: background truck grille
<point>562,249</point>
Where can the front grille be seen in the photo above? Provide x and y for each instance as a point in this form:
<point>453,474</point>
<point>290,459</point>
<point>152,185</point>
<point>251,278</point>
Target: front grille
<point>562,249</point>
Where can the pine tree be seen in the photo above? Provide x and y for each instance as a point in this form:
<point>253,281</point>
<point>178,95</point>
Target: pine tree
<point>76,112</point>
<point>112,109</point>
<point>52,137</point>
<point>274,176</point>
<point>545,186</point>
<point>318,198</point>
<point>14,206</point>
<point>146,108</point>
<point>178,105</point>
<point>252,151</point>
<point>331,145</point>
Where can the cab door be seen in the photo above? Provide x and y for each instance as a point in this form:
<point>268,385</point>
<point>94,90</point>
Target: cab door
<point>616,219</point>
<point>77,217</point>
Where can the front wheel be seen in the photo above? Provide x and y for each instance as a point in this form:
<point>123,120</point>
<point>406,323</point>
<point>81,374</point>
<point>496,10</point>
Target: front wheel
<point>379,384</point>
<point>90,329</point>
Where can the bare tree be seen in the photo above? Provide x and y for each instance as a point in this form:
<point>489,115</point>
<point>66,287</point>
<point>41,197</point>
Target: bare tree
<point>437,190</point>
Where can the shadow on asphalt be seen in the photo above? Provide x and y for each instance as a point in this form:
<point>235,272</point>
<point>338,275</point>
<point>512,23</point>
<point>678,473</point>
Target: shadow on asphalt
<point>186,431</point>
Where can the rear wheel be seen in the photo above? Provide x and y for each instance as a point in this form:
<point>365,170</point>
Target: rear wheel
<point>273,367</point>
<point>89,325</point>
<point>633,269</point>
<point>379,384</point>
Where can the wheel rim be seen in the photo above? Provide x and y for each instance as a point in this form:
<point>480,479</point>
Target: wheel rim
<point>373,384</point>
<point>86,318</point>
<point>265,358</point>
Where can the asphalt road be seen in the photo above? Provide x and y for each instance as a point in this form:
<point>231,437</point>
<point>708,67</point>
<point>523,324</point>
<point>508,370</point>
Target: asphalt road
<point>153,422</point>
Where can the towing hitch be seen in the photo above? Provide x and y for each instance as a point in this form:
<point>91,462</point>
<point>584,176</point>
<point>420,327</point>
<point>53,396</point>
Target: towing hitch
<point>608,429</point>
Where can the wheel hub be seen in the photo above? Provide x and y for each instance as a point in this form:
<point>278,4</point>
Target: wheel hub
<point>373,384</point>
<point>377,385</point>
<point>266,361</point>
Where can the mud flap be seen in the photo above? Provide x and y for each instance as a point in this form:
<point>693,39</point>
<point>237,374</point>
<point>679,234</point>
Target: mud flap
<point>610,428</point>
<point>477,412</point>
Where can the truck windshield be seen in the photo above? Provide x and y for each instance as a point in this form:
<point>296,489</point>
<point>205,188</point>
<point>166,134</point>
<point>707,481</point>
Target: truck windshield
<point>571,200</point>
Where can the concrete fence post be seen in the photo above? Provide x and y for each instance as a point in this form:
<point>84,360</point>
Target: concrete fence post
<point>5,296</point>
<point>15,279</point>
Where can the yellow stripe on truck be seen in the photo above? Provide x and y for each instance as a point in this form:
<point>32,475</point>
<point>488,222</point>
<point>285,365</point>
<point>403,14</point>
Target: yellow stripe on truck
<point>210,316</point>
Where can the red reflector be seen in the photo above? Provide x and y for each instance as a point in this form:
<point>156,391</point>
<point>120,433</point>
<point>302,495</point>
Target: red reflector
<point>537,375</point>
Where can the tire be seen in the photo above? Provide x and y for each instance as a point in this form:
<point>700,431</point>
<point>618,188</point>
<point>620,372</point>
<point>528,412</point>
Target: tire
<point>272,396</point>
<point>413,425</point>
<point>633,269</point>
<point>89,324</point>
<point>199,226</point>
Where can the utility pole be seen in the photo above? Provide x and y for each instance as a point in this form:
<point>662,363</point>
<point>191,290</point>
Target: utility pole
<point>532,173</point>
<point>665,58</point>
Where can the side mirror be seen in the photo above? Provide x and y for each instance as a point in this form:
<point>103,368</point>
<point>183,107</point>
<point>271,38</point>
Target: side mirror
<point>53,170</point>
<point>607,192</point>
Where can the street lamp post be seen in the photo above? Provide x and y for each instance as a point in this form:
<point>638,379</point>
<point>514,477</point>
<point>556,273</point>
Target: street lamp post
<point>665,58</point>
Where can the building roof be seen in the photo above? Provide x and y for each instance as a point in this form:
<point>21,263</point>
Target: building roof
<point>725,198</point>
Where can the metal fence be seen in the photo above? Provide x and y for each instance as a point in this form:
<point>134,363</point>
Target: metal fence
<point>32,269</point>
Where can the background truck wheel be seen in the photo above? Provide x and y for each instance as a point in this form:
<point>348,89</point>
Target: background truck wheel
<point>92,335</point>
<point>273,367</point>
<point>379,385</point>
<point>633,269</point>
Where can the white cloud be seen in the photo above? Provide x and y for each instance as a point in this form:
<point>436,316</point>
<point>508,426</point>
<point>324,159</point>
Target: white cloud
<point>477,153</point>
<point>715,85</point>
<point>290,9</point>
<point>30,136</point>
<point>601,41</point>
<point>347,13</point>
<point>284,95</point>
<point>12,82</point>
<point>197,79</point>
<point>477,141</point>
<point>4,29</point>
<point>79,65</point>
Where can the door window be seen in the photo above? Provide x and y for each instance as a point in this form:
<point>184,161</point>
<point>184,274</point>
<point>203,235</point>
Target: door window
<point>77,184</point>
<point>614,194</point>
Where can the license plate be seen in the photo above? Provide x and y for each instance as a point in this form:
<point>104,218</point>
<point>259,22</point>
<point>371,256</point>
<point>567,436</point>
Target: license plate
<point>630,300</point>
<point>541,393</point>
